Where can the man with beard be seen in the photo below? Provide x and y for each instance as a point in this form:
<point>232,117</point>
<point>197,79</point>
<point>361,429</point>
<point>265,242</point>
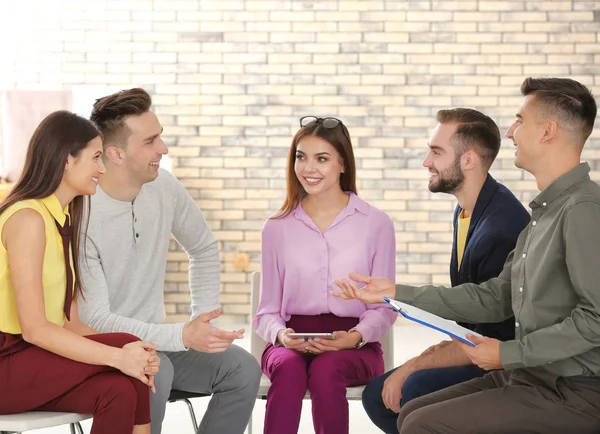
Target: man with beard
<point>487,221</point>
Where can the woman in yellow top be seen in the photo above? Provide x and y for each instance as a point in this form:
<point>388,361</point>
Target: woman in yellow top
<point>50,360</point>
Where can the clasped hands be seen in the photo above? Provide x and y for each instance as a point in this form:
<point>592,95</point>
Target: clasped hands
<point>342,340</point>
<point>139,360</point>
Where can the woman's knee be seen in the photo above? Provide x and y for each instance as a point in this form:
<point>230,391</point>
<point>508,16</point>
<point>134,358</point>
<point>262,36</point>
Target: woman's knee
<point>326,377</point>
<point>288,369</point>
<point>117,391</point>
<point>285,362</point>
<point>118,340</point>
<point>328,366</point>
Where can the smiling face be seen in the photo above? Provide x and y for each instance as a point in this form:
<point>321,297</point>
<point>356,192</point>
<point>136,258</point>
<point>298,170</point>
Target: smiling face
<point>318,165</point>
<point>526,133</point>
<point>443,162</point>
<point>82,172</point>
<point>145,147</point>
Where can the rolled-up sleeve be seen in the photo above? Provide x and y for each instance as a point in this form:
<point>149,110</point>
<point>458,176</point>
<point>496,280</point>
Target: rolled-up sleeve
<point>487,302</point>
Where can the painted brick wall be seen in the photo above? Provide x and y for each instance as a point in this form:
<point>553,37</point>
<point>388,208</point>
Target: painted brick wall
<point>230,78</point>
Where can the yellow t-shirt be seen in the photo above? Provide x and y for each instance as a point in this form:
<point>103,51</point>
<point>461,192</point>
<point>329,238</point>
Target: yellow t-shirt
<point>461,236</point>
<point>54,276</point>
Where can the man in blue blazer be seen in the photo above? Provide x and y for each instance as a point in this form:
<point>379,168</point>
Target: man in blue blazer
<point>487,222</point>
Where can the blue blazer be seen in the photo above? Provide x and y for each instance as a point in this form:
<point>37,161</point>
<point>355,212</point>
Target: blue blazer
<point>497,220</point>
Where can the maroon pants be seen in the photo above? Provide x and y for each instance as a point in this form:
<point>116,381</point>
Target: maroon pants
<point>326,376</point>
<point>35,379</point>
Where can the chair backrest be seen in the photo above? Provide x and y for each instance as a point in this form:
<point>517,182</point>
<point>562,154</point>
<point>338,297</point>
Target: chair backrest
<point>257,344</point>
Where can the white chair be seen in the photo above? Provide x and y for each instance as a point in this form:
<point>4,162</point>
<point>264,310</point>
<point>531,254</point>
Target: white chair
<point>18,423</point>
<point>257,346</point>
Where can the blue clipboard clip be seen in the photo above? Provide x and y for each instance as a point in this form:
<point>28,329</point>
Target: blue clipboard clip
<point>426,324</point>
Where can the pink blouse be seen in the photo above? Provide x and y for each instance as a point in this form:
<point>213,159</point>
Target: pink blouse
<point>300,263</point>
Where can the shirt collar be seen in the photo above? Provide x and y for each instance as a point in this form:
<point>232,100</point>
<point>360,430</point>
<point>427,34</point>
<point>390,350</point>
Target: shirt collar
<point>354,203</point>
<point>562,184</point>
<point>52,204</point>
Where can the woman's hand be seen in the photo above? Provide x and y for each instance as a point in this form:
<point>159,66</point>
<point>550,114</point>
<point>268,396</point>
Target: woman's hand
<point>373,292</point>
<point>152,368</point>
<point>342,340</point>
<point>138,360</point>
<point>297,344</point>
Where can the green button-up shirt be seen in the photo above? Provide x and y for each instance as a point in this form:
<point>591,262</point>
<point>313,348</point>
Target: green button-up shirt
<point>550,283</point>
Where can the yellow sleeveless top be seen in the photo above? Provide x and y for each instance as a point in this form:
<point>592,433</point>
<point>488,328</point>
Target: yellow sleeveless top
<point>54,276</point>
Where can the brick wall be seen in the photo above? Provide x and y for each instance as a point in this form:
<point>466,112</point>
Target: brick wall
<point>230,78</point>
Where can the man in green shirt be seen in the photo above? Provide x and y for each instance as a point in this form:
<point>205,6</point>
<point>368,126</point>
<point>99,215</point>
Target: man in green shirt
<point>546,380</point>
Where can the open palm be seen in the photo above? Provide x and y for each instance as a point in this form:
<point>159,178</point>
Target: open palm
<point>373,292</point>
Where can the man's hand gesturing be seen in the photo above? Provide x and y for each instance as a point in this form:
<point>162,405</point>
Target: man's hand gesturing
<point>200,335</point>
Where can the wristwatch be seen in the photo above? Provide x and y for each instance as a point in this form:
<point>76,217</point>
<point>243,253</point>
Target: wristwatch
<point>360,343</point>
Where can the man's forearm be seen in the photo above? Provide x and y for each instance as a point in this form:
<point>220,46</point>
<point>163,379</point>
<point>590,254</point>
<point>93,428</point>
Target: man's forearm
<point>204,275</point>
<point>487,302</point>
<point>444,355</point>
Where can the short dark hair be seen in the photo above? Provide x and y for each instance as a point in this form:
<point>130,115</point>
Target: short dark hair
<point>110,111</point>
<point>570,101</point>
<point>474,131</point>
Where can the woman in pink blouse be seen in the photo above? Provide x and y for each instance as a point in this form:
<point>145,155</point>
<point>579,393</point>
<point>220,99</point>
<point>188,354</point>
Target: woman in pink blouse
<point>322,232</point>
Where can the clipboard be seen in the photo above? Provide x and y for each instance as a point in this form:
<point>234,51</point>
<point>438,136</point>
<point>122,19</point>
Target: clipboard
<point>432,321</point>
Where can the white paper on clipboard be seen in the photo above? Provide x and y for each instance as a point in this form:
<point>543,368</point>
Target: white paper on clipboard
<point>432,321</point>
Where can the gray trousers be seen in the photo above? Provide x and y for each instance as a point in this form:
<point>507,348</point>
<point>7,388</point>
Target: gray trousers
<point>231,377</point>
<point>522,401</point>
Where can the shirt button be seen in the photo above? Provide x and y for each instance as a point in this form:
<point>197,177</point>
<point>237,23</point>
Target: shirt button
<point>524,255</point>
<point>137,235</point>
<point>544,204</point>
<point>521,289</point>
<point>517,325</point>
<point>534,223</point>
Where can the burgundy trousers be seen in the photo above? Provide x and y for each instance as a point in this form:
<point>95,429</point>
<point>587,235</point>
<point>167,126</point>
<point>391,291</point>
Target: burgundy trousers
<point>32,378</point>
<point>326,376</point>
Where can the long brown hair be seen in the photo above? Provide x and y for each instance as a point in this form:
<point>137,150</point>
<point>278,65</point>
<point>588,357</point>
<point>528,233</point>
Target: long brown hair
<point>339,137</point>
<point>59,135</point>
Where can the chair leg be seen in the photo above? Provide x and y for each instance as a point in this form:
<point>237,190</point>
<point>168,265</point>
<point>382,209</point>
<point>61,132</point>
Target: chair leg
<point>192,414</point>
<point>76,428</point>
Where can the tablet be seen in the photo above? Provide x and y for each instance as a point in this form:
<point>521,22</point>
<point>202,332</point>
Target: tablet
<point>310,335</point>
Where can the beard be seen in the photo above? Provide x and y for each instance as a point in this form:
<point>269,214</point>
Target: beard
<point>449,180</point>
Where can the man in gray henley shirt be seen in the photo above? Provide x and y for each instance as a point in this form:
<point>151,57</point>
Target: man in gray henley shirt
<point>135,210</point>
